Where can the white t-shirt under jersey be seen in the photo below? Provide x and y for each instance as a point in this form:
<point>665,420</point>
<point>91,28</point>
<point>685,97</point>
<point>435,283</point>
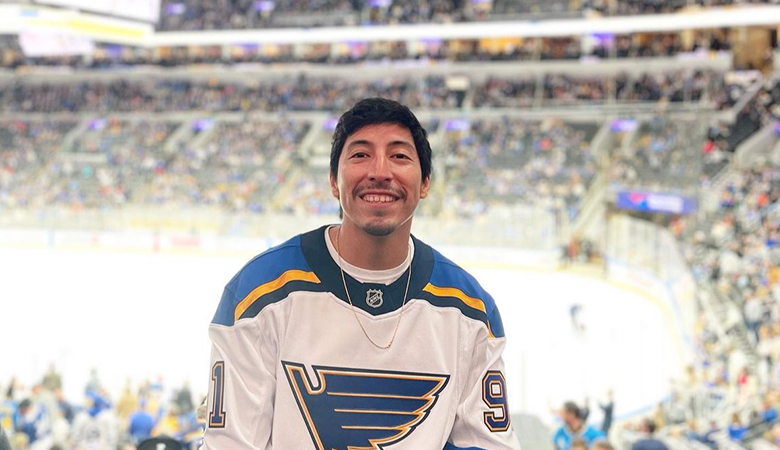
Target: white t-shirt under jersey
<point>385,277</point>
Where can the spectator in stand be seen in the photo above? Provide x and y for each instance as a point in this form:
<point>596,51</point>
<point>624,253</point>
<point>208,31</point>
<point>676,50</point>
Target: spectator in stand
<point>602,444</point>
<point>183,399</point>
<point>736,429</point>
<point>68,411</point>
<point>648,442</point>
<point>33,421</point>
<point>160,443</point>
<point>141,424</point>
<point>96,427</point>
<point>8,413</point>
<point>769,410</point>
<point>52,380</point>
<point>302,93</point>
<point>608,409</point>
<point>4,444</point>
<point>127,404</point>
<point>574,428</point>
<point>754,315</point>
<point>578,444</point>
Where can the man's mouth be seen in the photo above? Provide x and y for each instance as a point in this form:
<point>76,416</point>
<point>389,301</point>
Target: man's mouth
<point>378,198</point>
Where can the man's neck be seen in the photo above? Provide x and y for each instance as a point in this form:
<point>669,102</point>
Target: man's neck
<point>371,252</point>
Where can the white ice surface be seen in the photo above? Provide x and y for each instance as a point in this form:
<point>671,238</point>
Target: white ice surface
<point>140,316</point>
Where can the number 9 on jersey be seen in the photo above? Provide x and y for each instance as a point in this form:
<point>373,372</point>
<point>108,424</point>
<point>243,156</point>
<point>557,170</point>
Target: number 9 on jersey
<point>494,396</point>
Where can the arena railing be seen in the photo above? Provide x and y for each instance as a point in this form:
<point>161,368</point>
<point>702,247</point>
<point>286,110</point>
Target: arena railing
<point>720,62</point>
<point>648,257</point>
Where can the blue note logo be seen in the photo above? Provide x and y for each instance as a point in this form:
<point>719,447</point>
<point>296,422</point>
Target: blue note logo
<point>361,409</point>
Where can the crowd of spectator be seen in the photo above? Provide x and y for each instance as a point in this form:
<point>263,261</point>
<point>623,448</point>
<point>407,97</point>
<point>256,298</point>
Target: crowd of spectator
<point>736,251</point>
<point>193,15</point>
<point>502,92</point>
<point>565,89</point>
<point>746,234</point>
<point>557,89</point>
<point>311,195</point>
<point>299,93</point>
<point>380,52</point>
<point>238,166</point>
<point>40,417</point>
<point>674,87</point>
<point>506,161</point>
<point>634,7</point>
<point>664,154</point>
<point>26,148</point>
<point>723,138</point>
<point>115,162</point>
<point>190,15</point>
<point>302,93</point>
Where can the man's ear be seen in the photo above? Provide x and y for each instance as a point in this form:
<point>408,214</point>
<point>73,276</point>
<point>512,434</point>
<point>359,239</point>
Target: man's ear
<point>426,184</point>
<point>334,188</point>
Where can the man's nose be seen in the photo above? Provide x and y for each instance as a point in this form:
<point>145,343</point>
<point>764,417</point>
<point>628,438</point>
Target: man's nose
<point>380,170</point>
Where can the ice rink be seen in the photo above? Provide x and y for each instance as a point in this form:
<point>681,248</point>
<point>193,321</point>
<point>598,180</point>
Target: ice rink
<point>142,316</point>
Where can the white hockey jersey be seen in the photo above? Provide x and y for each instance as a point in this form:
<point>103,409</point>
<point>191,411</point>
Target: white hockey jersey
<point>292,370</point>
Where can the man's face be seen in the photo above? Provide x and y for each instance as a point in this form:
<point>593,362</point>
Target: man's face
<point>379,179</point>
<point>570,419</point>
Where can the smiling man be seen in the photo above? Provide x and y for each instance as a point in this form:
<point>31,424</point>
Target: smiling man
<point>359,336</point>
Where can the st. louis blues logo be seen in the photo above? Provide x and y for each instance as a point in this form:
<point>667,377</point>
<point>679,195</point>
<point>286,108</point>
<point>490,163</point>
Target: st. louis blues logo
<point>354,409</point>
<point>374,298</point>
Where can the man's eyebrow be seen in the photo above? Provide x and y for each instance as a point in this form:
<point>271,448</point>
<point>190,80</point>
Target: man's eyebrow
<point>390,144</point>
<point>402,143</point>
<point>359,142</point>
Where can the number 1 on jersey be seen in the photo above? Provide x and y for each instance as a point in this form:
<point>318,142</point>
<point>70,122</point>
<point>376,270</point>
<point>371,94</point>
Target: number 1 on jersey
<point>217,413</point>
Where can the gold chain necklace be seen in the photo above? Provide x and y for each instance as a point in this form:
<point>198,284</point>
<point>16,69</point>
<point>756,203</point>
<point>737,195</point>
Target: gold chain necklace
<point>344,281</point>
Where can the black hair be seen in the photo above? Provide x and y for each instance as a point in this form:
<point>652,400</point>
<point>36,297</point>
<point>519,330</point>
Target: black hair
<point>4,444</point>
<point>649,425</point>
<point>602,444</point>
<point>572,407</point>
<point>371,111</point>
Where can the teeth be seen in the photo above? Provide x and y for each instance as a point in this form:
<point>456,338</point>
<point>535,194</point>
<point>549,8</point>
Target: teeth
<point>378,198</point>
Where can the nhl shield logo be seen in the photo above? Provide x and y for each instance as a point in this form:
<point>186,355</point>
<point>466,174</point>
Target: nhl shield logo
<point>374,298</point>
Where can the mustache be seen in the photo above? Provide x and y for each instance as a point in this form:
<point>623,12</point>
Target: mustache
<point>380,186</point>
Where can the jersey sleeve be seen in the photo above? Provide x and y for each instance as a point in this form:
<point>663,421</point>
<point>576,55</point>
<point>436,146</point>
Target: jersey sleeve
<point>241,386</point>
<point>482,419</point>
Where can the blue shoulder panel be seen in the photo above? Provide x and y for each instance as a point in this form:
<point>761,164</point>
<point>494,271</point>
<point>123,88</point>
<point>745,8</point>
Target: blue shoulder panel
<point>267,269</point>
<point>448,275</point>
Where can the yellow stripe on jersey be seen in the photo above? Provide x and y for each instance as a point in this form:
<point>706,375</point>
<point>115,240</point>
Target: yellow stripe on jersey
<point>460,295</point>
<point>290,275</point>
<point>457,293</point>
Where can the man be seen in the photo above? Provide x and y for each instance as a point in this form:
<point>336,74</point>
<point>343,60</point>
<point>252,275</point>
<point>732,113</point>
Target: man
<point>160,443</point>
<point>578,444</point>
<point>602,444</point>
<point>33,420</point>
<point>96,427</point>
<point>574,428</point>
<point>608,410</point>
<point>648,442</point>
<point>141,423</point>
<point>4,444</point>
<point>360,336</point>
